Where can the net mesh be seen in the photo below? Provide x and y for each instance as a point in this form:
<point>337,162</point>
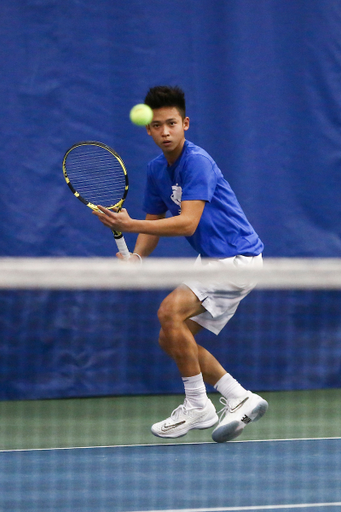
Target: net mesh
<point>81,367</point>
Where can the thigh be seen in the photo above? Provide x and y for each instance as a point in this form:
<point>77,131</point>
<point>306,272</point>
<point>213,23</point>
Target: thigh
<point>193,326</point>
<point>182,302</point>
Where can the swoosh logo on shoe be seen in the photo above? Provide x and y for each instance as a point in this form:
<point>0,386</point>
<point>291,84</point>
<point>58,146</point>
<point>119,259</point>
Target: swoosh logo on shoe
<point>166,428</point>
<point>234,409</point>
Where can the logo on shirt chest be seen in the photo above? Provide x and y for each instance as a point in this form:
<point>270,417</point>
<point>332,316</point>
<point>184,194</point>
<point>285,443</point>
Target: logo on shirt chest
<point>176,194</point>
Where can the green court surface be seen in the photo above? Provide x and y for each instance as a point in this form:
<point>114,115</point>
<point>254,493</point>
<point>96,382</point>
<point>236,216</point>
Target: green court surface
<point>108,421</point>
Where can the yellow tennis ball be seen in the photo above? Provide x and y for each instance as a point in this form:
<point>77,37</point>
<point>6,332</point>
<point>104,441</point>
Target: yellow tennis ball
<point>141,114</point>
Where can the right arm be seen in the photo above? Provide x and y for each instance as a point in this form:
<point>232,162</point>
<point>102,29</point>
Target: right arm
<point>145,244</point>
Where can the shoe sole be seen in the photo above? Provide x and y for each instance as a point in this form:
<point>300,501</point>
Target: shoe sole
<point>235,428</point>
<point>203,426</point>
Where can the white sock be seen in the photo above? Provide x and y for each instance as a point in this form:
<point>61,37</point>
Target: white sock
<point>195,390</point>
<point>229,387</point>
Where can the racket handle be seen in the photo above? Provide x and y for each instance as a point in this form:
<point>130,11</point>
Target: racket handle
<point>121,245</point>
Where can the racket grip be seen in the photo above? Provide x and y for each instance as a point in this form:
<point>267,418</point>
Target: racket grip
<point>121,245</point>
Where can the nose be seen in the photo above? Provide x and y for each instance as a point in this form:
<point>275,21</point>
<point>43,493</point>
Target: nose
<point>165,130</point>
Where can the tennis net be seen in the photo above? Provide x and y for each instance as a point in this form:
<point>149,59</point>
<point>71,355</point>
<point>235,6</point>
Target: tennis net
<point>81,367</point>
<point>158,273</point>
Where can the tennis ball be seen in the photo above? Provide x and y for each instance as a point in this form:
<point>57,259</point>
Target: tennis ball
<point>141,114</point>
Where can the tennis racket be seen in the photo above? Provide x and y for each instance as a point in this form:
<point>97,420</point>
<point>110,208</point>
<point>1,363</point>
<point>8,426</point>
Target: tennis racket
<point>96,174</point>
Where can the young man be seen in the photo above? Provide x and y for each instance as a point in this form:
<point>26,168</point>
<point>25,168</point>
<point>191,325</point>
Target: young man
<point>186,181</point>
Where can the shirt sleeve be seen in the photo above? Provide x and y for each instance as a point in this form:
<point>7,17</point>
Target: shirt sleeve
<point>199,179</point>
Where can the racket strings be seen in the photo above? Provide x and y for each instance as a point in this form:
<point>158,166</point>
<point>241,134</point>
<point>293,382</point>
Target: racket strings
<point>96,174</point>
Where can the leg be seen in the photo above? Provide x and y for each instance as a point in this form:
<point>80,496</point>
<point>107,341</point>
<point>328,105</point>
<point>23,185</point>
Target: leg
<point>176,337</point>
<point>241,407</point>
<point>211,369</point>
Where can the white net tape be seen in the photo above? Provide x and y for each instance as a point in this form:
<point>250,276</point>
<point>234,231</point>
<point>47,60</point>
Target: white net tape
<point>159,273</point>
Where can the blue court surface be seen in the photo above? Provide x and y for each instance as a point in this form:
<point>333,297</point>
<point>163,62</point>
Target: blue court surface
<point>270,475</point>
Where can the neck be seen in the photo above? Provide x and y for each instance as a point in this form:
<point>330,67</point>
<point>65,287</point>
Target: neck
<point>172,156</point>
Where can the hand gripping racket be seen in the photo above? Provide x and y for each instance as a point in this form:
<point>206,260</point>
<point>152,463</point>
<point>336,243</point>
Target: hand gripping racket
<point>96,174</point>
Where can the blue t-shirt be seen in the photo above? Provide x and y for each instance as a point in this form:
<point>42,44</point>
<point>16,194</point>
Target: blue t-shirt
<point>223,230</point>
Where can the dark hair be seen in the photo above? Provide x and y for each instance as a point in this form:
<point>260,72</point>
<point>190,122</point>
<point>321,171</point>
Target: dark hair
<point>166,96</point>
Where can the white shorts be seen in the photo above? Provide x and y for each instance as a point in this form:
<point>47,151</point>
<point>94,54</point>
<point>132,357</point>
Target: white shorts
<point>221,302</point>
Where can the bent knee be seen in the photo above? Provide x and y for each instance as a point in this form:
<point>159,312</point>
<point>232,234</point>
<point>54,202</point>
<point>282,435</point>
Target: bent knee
<point>163,340</point>
<point>166,312</point>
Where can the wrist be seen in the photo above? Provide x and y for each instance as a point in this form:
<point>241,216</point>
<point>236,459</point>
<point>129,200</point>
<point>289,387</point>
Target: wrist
<point>138,256</point>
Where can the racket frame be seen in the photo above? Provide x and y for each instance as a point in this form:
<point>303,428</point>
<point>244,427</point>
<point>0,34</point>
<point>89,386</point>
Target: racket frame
<point>119,238</point>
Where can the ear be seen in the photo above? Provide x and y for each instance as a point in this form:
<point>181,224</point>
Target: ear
<point>185,123</point>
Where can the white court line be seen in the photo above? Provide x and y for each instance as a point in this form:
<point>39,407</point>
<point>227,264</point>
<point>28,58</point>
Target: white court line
<point>151,445</point>
<point>256,507</point>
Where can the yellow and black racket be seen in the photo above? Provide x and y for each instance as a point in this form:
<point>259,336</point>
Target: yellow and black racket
<point>96,175</point>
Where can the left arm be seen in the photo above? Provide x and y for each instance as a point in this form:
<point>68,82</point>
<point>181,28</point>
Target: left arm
<point>184,224</point>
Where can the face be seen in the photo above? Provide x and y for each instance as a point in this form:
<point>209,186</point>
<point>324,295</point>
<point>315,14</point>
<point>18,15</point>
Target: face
<point>168,131</point>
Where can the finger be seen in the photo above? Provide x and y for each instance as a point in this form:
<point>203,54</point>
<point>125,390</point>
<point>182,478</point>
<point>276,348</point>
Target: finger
<point>102,209</point>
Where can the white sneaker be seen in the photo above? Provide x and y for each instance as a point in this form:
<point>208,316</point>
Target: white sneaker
<point>185,418</point>
<point>236,414</point>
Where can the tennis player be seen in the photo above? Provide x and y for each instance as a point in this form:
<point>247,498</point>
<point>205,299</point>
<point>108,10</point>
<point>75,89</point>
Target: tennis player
<point>185,181</point>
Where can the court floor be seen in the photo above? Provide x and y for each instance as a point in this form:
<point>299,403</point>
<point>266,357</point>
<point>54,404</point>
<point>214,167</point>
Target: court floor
<point>99,455</point>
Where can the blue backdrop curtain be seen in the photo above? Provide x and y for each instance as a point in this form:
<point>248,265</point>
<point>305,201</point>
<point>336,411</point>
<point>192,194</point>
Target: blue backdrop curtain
<point>263,86</point>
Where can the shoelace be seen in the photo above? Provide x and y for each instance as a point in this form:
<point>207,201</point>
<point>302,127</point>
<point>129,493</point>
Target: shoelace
<point>184,408</point>
<point>225,409</point>
<point>181,409</point>
<point>229,406</point>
